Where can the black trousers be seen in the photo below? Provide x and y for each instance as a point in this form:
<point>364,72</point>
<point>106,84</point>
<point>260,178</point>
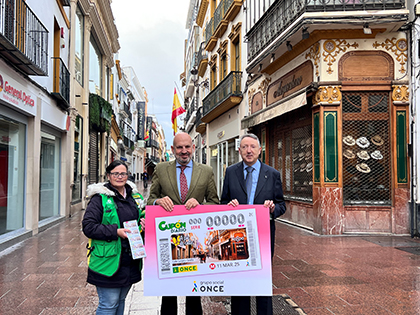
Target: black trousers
<point>241,305</point>
<point>169,305</point>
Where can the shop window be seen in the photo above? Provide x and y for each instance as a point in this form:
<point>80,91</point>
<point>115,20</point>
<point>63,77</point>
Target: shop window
<point>12,174</point>
<point>366,148</point>
<point>292,157</point>
<point>302,162</point>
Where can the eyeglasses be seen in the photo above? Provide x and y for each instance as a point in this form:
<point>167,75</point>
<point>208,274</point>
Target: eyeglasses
<point>116,175</point>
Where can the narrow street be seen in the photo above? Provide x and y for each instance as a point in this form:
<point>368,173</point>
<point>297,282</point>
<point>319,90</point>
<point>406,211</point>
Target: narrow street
<point>46,274</point>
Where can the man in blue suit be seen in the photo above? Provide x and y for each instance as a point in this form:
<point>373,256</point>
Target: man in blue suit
<point>253,182</point>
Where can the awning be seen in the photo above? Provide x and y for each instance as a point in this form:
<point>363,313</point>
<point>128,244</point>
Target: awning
<point>277,109</point>
<point>152,163</point>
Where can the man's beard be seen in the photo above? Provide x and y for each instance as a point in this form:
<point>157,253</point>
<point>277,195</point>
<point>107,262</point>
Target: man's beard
<point>181,159</point>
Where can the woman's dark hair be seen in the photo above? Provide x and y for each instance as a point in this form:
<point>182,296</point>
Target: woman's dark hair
<point>114,164</point>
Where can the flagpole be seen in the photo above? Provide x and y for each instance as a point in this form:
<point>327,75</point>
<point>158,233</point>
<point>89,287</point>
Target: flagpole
<point>179,93</point>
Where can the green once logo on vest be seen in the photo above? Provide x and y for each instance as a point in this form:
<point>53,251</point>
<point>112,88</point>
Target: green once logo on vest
<point>174,227</point>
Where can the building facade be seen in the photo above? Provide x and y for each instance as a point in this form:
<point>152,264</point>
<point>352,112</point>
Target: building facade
<point>414,93</point>
<point>330,103</point>
<point>34,121</point>
<point>94,41</point>
<point>216,82</point>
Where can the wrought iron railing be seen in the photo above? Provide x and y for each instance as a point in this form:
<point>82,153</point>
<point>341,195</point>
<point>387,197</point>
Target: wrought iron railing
<point>155,159</point>
<point>154,143</point>
<point>191,109</point>
<point>126,142</point>
<point>22,28</point>
<point>219,13</point>
<point>61,79</point>
<point>198,116</point>
<point>126,109</point>
<point>283,13</point>
<point>209,30</point>
<point>202,54</point>
<point>230,86</point>
<point>217,18</point>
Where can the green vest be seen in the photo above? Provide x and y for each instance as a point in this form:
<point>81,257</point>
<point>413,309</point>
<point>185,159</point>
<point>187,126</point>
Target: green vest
<point>104,256</point>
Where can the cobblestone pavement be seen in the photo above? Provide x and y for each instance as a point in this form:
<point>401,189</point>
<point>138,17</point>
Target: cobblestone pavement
<point>46,274</point>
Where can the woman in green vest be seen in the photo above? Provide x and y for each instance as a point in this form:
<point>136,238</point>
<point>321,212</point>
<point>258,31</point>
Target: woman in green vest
<point>111,267</point>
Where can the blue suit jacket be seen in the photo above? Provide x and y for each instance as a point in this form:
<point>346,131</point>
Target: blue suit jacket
<point>269,187</point>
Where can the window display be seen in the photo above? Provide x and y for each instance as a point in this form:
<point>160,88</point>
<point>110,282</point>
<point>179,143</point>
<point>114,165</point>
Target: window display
<point>12,174</point>
<point>366,150</point>
<point>294,161</point>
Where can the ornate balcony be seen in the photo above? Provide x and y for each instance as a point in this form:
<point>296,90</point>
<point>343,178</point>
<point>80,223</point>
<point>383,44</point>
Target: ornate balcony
<point>200,126</point>
<point>155,144</point>
<point>23,38</point>
<point>210,40</point>
<point>225,12</point>
<point>61,88</point>
<point>226,95</point>
<point>125,111</point>
<point>282,14</point>
<point>190,115</point>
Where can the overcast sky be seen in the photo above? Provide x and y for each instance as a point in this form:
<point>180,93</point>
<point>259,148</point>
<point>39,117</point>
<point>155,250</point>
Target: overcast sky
<point>151,36</point>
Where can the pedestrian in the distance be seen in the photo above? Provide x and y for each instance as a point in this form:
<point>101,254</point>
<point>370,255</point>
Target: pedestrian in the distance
<point>111,267</point>
<point>145,179</point>
<point>131,177</point>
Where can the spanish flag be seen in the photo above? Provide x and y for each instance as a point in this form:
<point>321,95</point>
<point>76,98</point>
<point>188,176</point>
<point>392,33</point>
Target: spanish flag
<point>176,111</point>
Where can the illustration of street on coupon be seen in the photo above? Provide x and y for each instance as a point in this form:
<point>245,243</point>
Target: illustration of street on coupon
<point>207,243</point>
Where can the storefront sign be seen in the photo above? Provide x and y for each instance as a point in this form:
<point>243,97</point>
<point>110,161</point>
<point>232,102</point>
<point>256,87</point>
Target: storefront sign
<point>16,91</point>
<point>293,81</point>
<point>15,94</point>
<point>217,250</point>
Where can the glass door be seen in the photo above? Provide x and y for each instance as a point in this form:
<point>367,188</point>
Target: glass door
<point>49,176</point>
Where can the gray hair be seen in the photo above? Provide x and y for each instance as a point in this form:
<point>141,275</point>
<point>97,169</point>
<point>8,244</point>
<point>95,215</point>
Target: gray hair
<point>250,135</point>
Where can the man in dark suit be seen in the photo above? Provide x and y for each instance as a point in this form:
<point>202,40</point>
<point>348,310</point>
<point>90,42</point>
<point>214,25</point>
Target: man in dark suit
<point>253,182</point>
<point>182,182</point>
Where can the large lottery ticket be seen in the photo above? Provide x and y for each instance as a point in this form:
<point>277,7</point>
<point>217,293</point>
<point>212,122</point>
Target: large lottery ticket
<point>210,250</point>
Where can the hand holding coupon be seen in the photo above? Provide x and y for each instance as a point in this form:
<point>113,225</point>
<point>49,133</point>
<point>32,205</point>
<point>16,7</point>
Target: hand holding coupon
<point>135,239</point>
